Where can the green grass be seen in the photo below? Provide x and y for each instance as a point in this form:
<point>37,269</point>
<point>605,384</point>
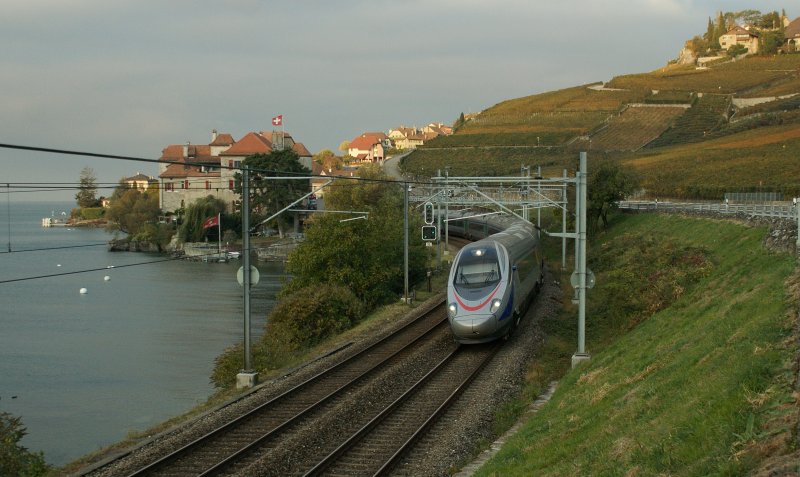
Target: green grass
<point>697,388</point>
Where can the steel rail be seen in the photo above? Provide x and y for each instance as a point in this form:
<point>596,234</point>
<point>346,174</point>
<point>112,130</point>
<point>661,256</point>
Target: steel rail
<point>326,462</point>
<point>231,425</point>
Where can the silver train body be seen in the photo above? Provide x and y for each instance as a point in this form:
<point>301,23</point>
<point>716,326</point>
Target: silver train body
<point>494,279</point>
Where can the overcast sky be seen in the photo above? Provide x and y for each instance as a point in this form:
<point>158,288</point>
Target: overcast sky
<point>130,77</point>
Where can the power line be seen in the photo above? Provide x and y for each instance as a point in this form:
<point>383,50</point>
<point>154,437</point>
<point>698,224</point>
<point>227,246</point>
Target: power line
<point>56,248</point>
<point>89,270</point>
<point>188,163</point>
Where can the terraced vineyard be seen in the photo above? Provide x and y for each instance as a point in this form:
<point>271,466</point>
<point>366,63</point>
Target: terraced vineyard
<point>707,114</point>
<point>732,77</point>
<point>691,155</point>
<point>548,119</point>
<point>635,127</point>
<point>777,106</point>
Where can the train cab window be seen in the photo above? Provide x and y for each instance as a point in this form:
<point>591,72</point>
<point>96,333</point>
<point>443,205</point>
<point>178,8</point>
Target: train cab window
<point>477,268</point>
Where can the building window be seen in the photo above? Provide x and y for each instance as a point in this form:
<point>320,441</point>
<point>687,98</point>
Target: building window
<point>230,184</point>
<point>186,184</point>
<point>208,185</point>
<point>230,162</point>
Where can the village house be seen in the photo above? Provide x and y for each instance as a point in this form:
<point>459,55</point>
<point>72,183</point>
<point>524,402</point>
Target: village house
<point>792,34</point>
<point>411,138</point>
<point>139,181</point>
<point>322,175</point>
<point>368,147</point>
<point>190,172</point>
<point>739,36</point>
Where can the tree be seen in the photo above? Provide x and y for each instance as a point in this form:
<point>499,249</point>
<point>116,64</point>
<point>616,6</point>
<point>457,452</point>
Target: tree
<point>87,190</point>
<point>748,17</point>
<point>607,185</point>
<point>718,31</point>
<point>131,209</point>
<point>770,41</point>
<point>268,196</point>
<point>328,159</point>
<point>344,146</point>
<point>697,45</point>
<point>14,458</point>
<point>365,256</point>
<point>709,35</point>
<point>459,122</point>
<point>196,213</point>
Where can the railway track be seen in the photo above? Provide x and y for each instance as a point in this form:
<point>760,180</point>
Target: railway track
<point>241,440</point>
<point>377,446</point>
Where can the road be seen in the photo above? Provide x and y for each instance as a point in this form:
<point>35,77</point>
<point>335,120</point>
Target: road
<point>392,165</point>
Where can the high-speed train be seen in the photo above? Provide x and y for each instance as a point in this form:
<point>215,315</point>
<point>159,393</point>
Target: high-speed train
<point>493,280</point>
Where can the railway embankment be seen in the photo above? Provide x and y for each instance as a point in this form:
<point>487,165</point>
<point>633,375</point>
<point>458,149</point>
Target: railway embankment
<point>706,384</point>
<point>781,233</point>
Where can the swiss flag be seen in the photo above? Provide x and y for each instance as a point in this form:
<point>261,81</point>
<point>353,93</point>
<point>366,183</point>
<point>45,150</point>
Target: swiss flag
<point>277,120</point>
<point>211,222</point>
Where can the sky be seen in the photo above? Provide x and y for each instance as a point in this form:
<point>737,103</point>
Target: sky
<point>131,77</point>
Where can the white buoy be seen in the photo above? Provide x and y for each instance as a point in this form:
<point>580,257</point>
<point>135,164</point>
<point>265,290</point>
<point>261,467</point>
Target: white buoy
<point>58,265</point>
<point>110,266</point>
<point>84,291</point>
<point>106,278</point>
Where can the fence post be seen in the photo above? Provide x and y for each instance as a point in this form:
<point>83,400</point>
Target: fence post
<point>797,214</point>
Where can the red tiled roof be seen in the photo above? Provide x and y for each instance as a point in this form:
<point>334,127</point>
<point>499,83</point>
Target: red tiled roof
<point>175,171</point>
<point>199,153</point>
<point>251,143</point>
<point>223,139</point>
<point>301,150</point>
<point>365,141</point>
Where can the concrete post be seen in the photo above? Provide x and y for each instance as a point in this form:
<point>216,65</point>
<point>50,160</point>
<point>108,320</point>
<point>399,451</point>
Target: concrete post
<point>581,355</point>
<point>247,378</point>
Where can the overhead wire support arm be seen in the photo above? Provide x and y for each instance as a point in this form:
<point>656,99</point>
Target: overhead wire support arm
<point>295,202</point>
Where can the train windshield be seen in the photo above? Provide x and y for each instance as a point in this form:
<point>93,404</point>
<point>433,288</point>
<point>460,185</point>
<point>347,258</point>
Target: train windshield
<point>477,268</point>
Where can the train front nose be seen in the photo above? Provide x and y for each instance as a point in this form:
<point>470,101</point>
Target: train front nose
<point>473,326</point>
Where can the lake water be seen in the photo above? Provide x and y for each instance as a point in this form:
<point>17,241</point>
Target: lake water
<point>83,370</point>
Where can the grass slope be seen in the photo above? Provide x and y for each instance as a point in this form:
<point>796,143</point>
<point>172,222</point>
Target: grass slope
<point>702,387</point>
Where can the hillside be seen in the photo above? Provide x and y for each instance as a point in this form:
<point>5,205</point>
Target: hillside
<point>702,386</point>
<point>635,128</point>
<point>709,127</point>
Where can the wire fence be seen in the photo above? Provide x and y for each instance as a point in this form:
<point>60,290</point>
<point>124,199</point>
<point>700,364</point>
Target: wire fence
<point>775,209</point>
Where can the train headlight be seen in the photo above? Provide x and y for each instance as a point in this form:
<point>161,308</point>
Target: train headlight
<point>495,305</point>
<point>452,309</point>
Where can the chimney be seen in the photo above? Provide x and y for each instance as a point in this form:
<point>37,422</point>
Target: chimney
<point>186,149</point>
<point>213,135</point>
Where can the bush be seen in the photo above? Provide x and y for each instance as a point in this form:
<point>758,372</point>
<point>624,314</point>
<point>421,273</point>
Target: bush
<point>299,321</point>
<point>311,314</point>
<point>92,213</point>
<point>736,50</point>
<point>15,459</point>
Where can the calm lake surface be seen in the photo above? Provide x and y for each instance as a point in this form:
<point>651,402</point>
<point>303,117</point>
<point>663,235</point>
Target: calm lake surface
<point>84,370</point>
